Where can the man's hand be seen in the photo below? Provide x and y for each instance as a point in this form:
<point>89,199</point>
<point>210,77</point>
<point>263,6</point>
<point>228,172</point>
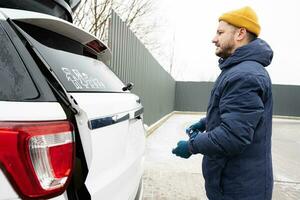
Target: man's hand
<point>192,133</point>
<point>194,129</point>
<point>182,149</point>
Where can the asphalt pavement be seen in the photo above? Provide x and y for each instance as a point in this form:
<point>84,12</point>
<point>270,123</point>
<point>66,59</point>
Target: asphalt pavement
<point>168,177</point>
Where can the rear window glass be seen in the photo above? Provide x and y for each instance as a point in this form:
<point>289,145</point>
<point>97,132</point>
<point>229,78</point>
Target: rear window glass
<point>78,73</point>
<point>15,82</point>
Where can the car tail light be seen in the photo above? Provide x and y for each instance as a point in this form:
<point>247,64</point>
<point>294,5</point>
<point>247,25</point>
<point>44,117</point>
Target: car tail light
<point>37,156</point>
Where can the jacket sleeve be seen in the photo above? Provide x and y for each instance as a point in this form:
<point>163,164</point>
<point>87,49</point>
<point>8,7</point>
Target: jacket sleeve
<point>203,120</point>
<point>240,111</point>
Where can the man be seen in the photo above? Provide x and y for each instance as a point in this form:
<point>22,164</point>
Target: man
<point>237,162</point>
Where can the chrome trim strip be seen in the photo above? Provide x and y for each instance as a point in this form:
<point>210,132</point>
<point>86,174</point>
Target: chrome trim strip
<point>138,112</point>
<point>106,121</point>
<point>113,119</point>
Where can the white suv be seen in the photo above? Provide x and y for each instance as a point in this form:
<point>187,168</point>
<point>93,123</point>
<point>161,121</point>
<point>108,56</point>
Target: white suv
<point>69,128</point>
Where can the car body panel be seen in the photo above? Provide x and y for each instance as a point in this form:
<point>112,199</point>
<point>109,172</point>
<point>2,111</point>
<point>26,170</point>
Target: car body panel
<point>109,123</point>
<point>9,192</point>
<point>32,111</point>
<point>114,153</point>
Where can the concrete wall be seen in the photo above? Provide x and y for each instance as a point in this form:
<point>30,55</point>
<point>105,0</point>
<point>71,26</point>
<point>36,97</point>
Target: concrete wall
<point>132,62</point>
<point>194,96</point>
<point>286,100</point>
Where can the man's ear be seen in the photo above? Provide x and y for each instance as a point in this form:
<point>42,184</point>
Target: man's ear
<point>241,33</point>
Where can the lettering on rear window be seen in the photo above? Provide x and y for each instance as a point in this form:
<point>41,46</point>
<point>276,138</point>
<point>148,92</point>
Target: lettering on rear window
<point>82,80</point>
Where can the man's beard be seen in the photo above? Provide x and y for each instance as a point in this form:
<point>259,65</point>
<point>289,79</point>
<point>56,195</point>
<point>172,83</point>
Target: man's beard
<point>225,51</point>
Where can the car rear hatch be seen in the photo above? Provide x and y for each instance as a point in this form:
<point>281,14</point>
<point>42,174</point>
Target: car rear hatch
<point>109,120</point>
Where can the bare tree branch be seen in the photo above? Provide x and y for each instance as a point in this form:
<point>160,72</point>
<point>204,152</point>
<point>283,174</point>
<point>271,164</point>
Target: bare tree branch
<point>93,16</point>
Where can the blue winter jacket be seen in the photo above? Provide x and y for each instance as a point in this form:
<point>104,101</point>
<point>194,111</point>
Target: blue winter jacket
<point>237,162</point>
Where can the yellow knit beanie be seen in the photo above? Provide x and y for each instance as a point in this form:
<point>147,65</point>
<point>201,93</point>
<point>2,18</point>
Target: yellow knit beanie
<point>244,17</point>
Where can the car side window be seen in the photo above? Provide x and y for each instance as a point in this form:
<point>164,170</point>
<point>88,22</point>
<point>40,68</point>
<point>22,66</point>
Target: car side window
<point>15,82</point>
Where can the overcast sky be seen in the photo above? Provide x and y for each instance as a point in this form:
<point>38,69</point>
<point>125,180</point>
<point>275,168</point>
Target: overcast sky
<point>192,25</point>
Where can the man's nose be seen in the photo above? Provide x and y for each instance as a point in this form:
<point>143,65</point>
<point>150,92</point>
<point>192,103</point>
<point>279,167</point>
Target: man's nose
<point>214,40</point>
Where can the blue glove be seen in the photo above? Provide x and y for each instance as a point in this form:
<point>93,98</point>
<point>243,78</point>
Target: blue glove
<point>192,133</point>
<point>194,129</point>
<point>182,149</point>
